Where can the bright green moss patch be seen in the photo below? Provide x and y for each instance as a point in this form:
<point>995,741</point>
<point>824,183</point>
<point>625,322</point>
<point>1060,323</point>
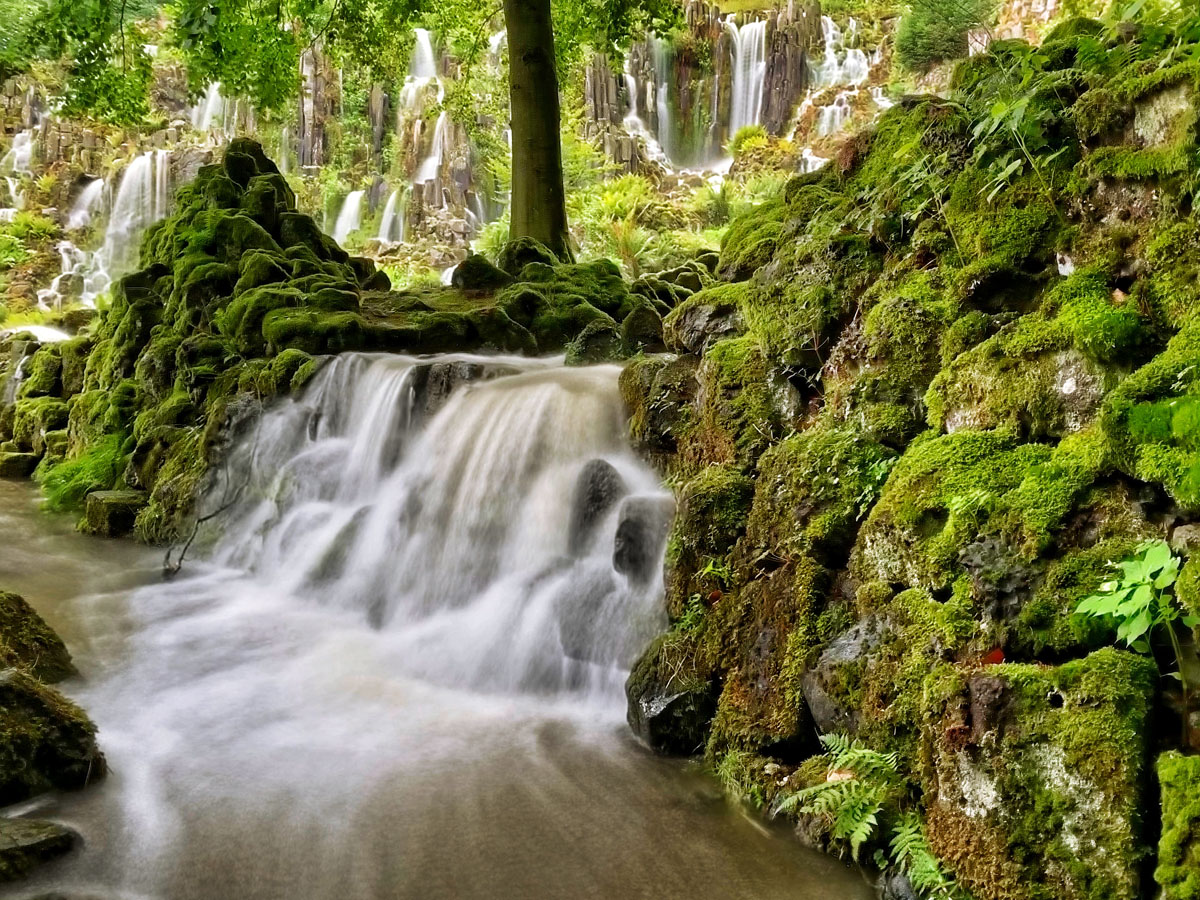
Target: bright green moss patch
<point>100,467</point>
<point>1178,870</point>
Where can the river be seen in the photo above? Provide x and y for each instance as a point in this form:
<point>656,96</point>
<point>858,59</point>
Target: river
<point>382,675</point>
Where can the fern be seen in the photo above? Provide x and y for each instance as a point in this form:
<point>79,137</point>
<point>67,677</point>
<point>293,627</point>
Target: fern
<point>912,855</point>
<point>851,803</point>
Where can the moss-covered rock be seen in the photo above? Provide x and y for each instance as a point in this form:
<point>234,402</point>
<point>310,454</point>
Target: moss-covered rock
<point>26,844</point>
<point>112,513</point>
<point>46,742</point>
<point>1178,871</point>
<point>1036,783</point>
<point>27,642</point>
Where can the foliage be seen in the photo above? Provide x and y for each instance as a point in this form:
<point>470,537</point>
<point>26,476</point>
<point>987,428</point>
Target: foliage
<point>1142,598</point>
<point>861,782</point>
<point>861,790</point>
<point>744,134</point>
<point>935,30</point>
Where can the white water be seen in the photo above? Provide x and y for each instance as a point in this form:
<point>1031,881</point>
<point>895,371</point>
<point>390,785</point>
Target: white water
<point>85,205</point>
<point>392,679</point>
<point>392,225</point>
<point>209,112</point>
<point>749,73</point>
<point>19,158</point>
<point>432,163</point>
<point>661,57</point>
<point>349,216</point>
<point>143,197</point>
<point>842,63</point>
<point>832,117</point>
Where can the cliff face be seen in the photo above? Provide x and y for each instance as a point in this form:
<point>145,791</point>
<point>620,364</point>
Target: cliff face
<point>946,383</point>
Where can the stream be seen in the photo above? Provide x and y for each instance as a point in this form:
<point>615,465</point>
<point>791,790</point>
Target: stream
<point>393,667</point>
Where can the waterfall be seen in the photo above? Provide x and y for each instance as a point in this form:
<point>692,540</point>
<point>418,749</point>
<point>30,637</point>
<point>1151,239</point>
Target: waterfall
<point>285,150</point>
<point>445,522</point>
<point>749,73</point>
<point>15,192</point>
<point>85,205</point>
<point>393,225</point>
<point>432,163</point>
<point>495,44</point>
<point>349,217</point>
<point>661,58</point>
<point>19,159</point>
<point>852,66</point>
<point>424,63</point>
<point>143,197</point>
<point>210,111</point>
<point>831,118</point>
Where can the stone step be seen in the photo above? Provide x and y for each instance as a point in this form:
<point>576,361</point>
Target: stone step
<point>112,513</point>
<point>18,465</point>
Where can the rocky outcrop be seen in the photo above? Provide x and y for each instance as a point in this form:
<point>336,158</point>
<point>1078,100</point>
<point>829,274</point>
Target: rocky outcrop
<point>907,443</point>
<point>26,844</point>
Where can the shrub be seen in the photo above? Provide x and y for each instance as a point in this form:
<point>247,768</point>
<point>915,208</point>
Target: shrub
<point>936,30</point>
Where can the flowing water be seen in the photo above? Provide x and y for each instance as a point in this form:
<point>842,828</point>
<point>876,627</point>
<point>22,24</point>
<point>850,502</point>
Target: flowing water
<point>397,673</point>
<point>749,73</point>
<point>349,217</point>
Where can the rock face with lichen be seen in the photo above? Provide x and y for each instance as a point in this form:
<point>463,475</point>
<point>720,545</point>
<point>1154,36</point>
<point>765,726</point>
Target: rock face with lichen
<point>913,427</point>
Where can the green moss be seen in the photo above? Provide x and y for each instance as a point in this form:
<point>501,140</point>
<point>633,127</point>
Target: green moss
<point>46,741</point>
<point>43,376</point>
<point>1053,764</point>
<point>1178,871</point>
<point>34,417</point>
<point>751,239</point>
<point>99,468</point>
<point>27,642</point>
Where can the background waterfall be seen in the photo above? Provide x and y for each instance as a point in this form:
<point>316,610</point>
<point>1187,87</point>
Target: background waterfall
<point>749,73</point>
<point>349,216</point>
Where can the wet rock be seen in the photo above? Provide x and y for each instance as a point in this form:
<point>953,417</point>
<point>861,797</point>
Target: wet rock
<point>668,709</point>
<point>600,341</point>
<point>46,741</point>
<point>641,532</point>
<point>433,383</point>
<point>642,331</point>
<point>701,321</point>
<point>896,886</point>
<point>27,843</point>
<point>112,513</point>
<point>1185,539</point>
<point>475,273</point>
<point>26,641</point>
<point>597,490</point>
<point>831,710</point>
<point>1001,581</point>
<point>18,465</point>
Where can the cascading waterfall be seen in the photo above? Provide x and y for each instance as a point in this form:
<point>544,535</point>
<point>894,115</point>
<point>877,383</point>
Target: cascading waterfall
<point>143,197</point>
<point>393,225</point>
<point>19,159</point>
<point>749,73</point>
<point>397,672</point>
<point>349,216</point>
<point>842,62</point>
<point>832,117</point>
<point>209,113</point>
<point>444,521</point>
<point>661,58</point>
<point>85,205</point>
<point>432,163</point>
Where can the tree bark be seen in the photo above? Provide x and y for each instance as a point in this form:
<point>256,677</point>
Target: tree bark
<point>539,208</point>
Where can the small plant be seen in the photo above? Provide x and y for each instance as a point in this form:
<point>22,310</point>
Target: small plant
<point>860,783</point>
<point>747,133</point>
<point>863,787</point>
<point>1142,599</point>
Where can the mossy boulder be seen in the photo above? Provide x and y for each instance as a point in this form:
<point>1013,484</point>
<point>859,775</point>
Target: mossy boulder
<point>27,642</point>
<point>46,741</point>
<point>1036,783</point>
<point>516,255</point>
<point>476,273</point>
<point>112,513</point>
<point>26,844</point>
<point>1178,871</point>
<point>670,707</point>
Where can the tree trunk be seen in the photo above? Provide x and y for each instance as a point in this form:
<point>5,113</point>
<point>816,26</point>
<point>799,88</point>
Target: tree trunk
<point>539,208</point>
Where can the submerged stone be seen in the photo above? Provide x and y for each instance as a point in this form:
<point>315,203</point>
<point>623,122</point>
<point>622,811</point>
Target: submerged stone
<point>597,490</point>
<point>27,843</point>
<point>642,530</point>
